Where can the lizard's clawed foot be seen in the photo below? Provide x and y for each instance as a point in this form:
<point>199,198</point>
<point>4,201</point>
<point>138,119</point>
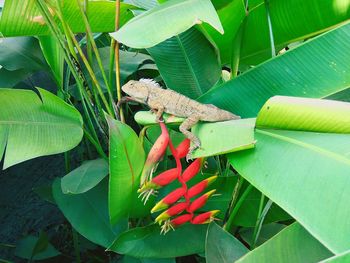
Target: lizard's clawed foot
<point>196,146</point>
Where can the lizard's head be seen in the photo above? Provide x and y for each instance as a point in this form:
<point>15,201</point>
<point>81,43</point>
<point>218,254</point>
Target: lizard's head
<point>137,90</point>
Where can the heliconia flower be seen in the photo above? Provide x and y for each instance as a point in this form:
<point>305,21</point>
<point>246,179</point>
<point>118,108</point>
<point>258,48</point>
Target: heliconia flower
<point>192,169</point>
<point>183,148</point>
<point>198,188</point>
<point>169,199</point>
<point>205,218</point>
<point>172,211</point>
<point>177,221</point>
<point>160,180</point>
<point>200,201</point>
<point>155,154</point>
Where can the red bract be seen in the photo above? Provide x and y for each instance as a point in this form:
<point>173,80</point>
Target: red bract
<point>172,211</point>
<point>181,220</point>
<point>169,200</point>
<point>200,201</point>
<point>204,218</point>
<point>198,188</point>
<point>155,154</point>
<point>183,148</point>
<point>160,180</point>
<point>192,170</point>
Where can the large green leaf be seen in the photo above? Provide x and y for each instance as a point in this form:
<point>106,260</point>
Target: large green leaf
<point>23,17</point>
<point>231,17</point>
<point>32,126</point>
<point>126,159</point>
<point>292,245</point>
<point>291,21</point>
<point>340,258</point>
<point>308,162</point>
<point>147,242</point>
<point>187,63</point>
<point>224,137</point>
<point>315,69</point>
<point>166,20</point>
<point>88,213</point>
<point>292,113</point>
<point>85,177</point>
<point>25,50</point>
<point>221,246</point>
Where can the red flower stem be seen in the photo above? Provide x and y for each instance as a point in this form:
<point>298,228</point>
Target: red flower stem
<point>179,167</point>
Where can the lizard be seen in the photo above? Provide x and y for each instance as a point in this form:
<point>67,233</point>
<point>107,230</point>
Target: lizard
<point>147,91</point>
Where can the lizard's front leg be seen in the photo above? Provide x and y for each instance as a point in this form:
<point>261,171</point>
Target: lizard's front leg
<point>184,128</point>
<point>159,110</point>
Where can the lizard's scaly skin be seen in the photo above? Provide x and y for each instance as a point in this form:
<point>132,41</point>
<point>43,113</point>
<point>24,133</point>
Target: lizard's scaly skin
<point>166,100</point>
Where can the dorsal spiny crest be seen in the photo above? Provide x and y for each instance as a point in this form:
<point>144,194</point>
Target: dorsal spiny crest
<point>150,81</point>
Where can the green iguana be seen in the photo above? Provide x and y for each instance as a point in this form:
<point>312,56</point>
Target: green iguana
<point>147,91</point>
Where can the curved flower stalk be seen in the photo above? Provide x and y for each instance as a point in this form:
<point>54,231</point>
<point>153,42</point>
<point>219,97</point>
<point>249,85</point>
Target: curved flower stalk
<point>181,204</point>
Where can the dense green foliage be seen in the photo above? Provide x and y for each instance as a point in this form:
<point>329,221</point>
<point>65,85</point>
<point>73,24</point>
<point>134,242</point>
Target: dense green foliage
<point>283,169</point>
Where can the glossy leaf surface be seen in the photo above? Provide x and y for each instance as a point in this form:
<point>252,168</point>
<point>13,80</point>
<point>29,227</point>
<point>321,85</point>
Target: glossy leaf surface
<point>166,20</point>
<point>88,213</point>
<point>32,126</point>
<point>306,159</point>
<point>187,63</point>
<point>293,244</point>
<point>126,159</point>
<point>146,242</point>
<point>315,69</point>
<point>85,177</point>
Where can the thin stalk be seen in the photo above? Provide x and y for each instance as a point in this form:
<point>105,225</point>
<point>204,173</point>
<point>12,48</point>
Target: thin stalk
<point>229,223</point>
<point>96,144</point>
<point>89,48</point>
<point>272,42</point>
<point>66,161</point>
<point>91,73</point>
<point>237,44</point>
<point>90,38</point>
<point>116,59</point>
<point>235,194</point>
<point>111,63</point>
<point>260,219</point>
<point>76,245</point>
<point>56,32</point>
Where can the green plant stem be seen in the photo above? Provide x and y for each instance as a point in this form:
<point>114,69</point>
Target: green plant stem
<point>260,219</point>
<point>235,193</point>
<point>96,144</point>
<point>237,45</point>
<point>229,223</point>
<point>56,32</point>
<point>116,59</point>
<point>90,39</point>
<point>76,245</point>
<point>91,73</point>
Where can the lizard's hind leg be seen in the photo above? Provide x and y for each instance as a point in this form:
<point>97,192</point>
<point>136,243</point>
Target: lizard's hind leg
<point>184,128</point>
